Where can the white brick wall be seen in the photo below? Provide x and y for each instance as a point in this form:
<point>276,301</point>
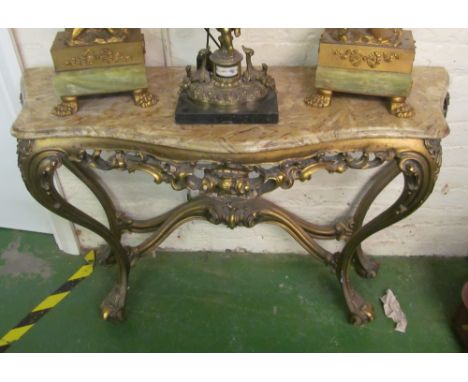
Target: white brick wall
<point>440,227</point>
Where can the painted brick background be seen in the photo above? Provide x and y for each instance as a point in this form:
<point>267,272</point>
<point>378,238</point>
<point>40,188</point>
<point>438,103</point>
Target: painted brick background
<point>440,227</point>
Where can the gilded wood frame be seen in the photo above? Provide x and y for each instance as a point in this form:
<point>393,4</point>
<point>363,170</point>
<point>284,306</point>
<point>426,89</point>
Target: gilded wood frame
<point>230,193</point>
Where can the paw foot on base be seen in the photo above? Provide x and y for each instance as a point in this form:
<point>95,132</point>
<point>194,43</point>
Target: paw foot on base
<point>68,106</point>
<point>320,100</point>
<point>144,98</point>
<point>112,308</point>
<point>399,108</point>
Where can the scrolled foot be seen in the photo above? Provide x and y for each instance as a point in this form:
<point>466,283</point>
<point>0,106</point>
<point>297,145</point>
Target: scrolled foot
<point>364,315</point>
<point>360,311</point>
<point>105,256</point>
<point>144,98</point>
<point>399,108</point>
<point>68,106</point>
<point>366,266</point>
<point>113,306</point>
<point>321,99</point>
<point>368,273</point>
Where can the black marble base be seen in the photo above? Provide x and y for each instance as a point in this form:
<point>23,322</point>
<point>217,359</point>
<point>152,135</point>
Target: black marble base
<point>264,111</point>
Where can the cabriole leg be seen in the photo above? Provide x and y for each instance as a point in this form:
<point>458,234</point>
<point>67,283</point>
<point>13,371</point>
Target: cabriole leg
<point>420,171</point>
<point>366,266</point>
<point>38,169</point>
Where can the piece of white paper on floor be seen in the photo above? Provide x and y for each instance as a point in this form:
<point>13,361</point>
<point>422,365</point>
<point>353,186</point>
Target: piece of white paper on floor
<point>393,310</point>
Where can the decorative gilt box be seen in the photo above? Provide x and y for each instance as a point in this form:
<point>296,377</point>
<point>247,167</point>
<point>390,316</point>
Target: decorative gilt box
<point>368,61</point>
<point>91,61</point>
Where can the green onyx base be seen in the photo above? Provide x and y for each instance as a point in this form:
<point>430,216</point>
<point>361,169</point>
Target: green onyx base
<point>100,80</point>
<point>367,82</point>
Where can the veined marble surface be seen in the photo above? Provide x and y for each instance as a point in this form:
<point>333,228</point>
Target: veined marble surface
<point>349,117</point>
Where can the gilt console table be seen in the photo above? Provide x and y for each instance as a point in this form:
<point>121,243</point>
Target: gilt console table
<point>231,166</point>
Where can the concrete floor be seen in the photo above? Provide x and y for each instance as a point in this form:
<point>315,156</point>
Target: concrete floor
<point>205,302</point>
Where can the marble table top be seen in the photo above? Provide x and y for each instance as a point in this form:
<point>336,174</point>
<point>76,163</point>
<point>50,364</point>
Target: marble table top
<point>349,117</point>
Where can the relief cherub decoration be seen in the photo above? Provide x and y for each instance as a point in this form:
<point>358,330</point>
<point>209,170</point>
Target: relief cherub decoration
<point>226,38</point>
<point>370,36</point>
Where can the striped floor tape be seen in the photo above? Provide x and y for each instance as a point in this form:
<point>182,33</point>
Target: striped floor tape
<point>48,303</point>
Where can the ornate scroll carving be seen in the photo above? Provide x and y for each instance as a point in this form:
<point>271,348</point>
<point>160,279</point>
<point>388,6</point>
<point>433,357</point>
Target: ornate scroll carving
<point>24,149</point>
<point>232,179</point>
<point>435,150</point>
<point>233,213</point>
<point>229,194</point>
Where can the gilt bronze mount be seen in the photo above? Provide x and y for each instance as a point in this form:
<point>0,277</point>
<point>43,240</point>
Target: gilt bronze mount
<point>367,61</point>
<point>96,61</point>
<point>219,92</point>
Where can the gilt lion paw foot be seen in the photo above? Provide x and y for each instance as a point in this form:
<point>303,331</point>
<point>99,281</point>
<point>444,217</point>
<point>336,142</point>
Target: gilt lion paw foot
<point>399,108</point>
<point>68,106</point>
<point>113,306</point>
<point>144,98</point>
<point>321,99</point>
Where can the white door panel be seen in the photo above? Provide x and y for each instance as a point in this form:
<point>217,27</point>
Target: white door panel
<point>18,209</point>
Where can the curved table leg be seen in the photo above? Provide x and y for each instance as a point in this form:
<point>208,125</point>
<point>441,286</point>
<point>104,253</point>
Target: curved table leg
<point>38,169</point>
<point>420,170</point>
<point>366,266</point>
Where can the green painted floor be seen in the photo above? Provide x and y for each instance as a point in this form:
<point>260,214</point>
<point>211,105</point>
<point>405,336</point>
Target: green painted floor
<point>181,302</point>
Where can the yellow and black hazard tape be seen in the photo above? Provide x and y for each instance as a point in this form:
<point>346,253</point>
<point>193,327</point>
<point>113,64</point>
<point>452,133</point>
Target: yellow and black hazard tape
<point>48,303</point>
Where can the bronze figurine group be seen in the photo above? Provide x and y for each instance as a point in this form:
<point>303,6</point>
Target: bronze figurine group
<point>363,61</point>
<point>219,79</point>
